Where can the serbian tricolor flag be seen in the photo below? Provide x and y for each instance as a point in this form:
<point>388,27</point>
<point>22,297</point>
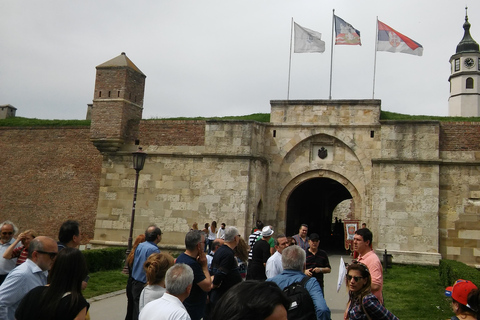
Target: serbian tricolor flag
<point>345,33</point>
<point>393,41</point>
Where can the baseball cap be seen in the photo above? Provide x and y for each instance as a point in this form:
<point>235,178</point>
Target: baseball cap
<point>314,237</point>
<point>460,290</point>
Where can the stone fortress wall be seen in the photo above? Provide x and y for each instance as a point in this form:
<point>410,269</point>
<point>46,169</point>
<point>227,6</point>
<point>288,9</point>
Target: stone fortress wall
<point>419,202</point>
<point>415,183</point>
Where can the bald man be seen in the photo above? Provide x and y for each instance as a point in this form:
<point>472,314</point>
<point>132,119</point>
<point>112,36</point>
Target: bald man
<point>32,273</point>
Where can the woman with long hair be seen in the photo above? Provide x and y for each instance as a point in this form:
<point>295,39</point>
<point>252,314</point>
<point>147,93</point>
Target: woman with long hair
<point>206,232</point>
<point>362,303</point>
<point>155,268</point>
<point>62,298</point>
<point>465,300</point>
<point>140,238</point>
<point>241,252</point>
<point>212,235</point>
<point>21,252</point>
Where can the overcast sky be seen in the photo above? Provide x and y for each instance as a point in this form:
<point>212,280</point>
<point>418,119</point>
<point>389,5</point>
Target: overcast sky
<point>223,57</point>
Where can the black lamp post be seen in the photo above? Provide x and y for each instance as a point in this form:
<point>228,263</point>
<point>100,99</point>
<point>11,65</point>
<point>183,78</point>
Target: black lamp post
<point>138,162</point>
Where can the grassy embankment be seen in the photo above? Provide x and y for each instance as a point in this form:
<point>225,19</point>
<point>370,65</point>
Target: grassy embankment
<point>260,117</point>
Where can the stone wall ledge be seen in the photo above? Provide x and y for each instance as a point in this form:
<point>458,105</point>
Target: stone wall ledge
<point>407,161</point>
<point>411,257</point>
<point>329,103</point>
<point>195,155</point>
<point>96,244</point>
<point>430,162</point>
<point>319,125</point>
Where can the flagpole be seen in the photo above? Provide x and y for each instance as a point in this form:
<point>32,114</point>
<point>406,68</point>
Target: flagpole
<point>331,55</point>
<point>375,59</point>
<point>290,61</point>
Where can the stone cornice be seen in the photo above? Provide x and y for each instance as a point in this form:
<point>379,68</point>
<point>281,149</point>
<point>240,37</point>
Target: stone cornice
<point>429,162</point>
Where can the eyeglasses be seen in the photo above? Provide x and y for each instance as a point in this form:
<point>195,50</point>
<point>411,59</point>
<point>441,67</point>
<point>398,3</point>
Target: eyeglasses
<point>9,233</point>
<point>51,254</point>
<point>349,278</point>
<point>362,265</point>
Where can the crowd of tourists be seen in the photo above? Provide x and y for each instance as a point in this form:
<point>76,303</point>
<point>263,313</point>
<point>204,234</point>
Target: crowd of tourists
<point>43,279</point>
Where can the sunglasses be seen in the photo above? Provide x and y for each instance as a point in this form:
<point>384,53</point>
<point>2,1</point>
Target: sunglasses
<point>51,254</point>
<point>349,278</point>
<point>362,265</point>
<point>9,233</point>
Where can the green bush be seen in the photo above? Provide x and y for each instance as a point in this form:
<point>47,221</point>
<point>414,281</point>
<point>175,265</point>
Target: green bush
<point>105,259</point>
<point>451,270</point>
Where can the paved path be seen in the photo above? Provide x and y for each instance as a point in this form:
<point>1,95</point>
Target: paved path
<point>113,306</point>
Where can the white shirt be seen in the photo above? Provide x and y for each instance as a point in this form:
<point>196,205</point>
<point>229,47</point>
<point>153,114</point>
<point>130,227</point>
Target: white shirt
<point>168,307</point>
<point>221,233</point>
<point>274,265</point>
<point>211,235</point>
<point>150,293</point>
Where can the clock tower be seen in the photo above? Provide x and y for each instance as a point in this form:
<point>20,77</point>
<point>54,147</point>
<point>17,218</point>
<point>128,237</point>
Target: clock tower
<point>464,78</point>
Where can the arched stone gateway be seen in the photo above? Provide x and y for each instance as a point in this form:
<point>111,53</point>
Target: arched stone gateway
<point>311,198</point>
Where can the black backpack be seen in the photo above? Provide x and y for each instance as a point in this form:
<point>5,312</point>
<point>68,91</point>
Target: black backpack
<point>301,303</point>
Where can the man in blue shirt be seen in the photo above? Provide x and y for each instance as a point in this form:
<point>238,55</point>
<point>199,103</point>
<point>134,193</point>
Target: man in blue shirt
<point>293,262</point>
<point>153,235</point>
<point>195,257</point>
<point>30,274</point>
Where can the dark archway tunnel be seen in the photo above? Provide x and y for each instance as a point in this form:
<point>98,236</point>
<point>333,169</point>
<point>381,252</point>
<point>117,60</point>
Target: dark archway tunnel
<point>312,203</point>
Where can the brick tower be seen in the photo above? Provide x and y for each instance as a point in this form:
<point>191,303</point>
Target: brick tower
<point>117,104</point>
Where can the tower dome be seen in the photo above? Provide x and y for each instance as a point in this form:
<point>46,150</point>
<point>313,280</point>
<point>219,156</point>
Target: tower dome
<point>467,44</point>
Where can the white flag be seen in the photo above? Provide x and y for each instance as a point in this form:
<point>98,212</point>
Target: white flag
<point>307,40</point>
<point>342,272</point>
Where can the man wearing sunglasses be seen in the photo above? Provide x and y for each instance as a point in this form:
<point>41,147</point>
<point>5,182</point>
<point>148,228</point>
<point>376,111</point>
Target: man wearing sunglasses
<point>7,230</point>
<point>32,273</point>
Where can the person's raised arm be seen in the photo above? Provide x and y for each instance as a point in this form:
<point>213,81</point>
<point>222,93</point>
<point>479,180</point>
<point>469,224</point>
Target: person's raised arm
<point>205,284</point>
<point>8,254</point>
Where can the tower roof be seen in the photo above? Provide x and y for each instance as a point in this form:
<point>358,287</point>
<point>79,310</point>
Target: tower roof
<point>467,44</point>
<point>120,61</point>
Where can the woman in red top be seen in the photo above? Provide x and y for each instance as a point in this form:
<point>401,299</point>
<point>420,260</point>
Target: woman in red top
<point>21,252</point>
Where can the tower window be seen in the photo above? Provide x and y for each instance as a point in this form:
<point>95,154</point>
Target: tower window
<point>457,64</point>
<point>469,83</point>
<point>109,92</point>
<point>118,94</point>
<point>99,94</point>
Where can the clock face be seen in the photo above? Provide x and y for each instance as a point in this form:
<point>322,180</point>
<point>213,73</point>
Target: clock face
<point>469,62</point>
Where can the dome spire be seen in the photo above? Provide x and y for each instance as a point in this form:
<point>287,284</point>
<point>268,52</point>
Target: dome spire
<point>467,44</point>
